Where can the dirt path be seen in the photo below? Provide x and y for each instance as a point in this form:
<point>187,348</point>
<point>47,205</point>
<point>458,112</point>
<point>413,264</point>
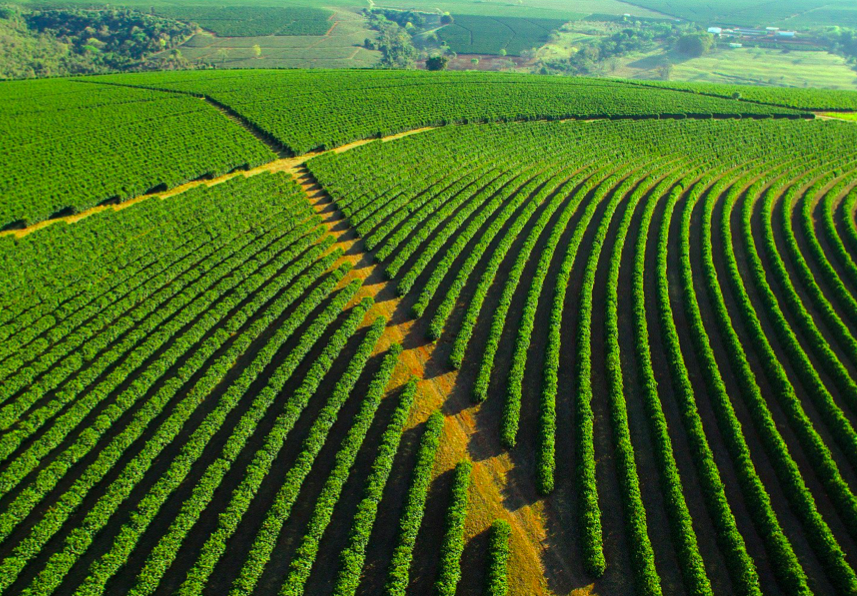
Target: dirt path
<point>289,165</point>
<point>489,475</point>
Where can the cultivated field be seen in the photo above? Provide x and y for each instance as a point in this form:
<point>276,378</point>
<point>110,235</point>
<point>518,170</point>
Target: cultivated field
<point>340,45</point>
<point>544,336</point>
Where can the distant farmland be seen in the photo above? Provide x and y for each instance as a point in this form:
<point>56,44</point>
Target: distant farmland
<point>494,35</point>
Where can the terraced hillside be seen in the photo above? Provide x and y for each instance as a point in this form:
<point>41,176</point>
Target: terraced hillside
<point>537,351</point>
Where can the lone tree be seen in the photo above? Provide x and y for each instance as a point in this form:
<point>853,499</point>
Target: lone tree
<point>695,44</point>
<point>437,63</point>
<point>446,19</point>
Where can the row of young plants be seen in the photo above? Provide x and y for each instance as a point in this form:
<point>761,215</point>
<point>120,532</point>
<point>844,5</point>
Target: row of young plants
<point>785,564</point>
<point>499,551</point>
<point>787,470</point>
<point>169,543</point>
<point>398,574</point>
<point>499,226</point>
<point>840,427</point>
<point>231,322</point>
<point>449,566</point>
<point>498,321</point>
<point>149,143</point>
<point>834,239</point>
<point>183,345</point>
<point>162,324</point>
<point>515,378</point>
<point>642,552</point>
<point>306,553</point>
<point>511,199</point>
<point>588,506</point>
<point>45,279</point>
<point>32,310</point>
<point>421,217</point>
<point>353,557</point>
<point>110,454</point>
<point>818,344</point>
<point>84,334</point>
<point>391,196</point>
<point>849,225</point>
<point>80,538</point>
<point>594,190</point>
<point>421,187</point>
<point>678,515</point>
<point>487,280</point>
<point>742,569</point>
<point>40,323</point>
<point>417,230</point>
<point>61,296</point>
<point>842,309</point>
<point>228,521</point>
<point>258,469</point>
<point>477,212</point>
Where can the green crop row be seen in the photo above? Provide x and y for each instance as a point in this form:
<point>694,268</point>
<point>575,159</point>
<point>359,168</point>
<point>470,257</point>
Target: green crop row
<point>398,575</point>
<point>449,572</point>
<point>353,556</point>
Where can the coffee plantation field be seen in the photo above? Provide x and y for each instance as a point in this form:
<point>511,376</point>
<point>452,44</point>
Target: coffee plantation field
<point>543,336</point>
<point>496,35</point>
<point>250,21</point>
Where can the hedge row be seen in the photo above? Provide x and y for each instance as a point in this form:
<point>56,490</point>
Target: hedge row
<point>280,510</point>
<point>353,557</point>
<point>304,558</point>
<point>398,575</point>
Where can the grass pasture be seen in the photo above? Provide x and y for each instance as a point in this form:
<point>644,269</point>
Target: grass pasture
<point>741,66</point>
<point>769,67</point>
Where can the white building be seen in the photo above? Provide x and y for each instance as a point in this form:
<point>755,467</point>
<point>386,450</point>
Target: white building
<point>715,30</point>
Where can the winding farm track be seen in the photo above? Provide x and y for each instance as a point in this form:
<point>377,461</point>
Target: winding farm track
<point>289,165</point>
<point>460,431</point>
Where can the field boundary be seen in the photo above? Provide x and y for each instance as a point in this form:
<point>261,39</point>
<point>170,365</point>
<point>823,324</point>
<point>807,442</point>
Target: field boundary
<point>289,162</point>
<point>289,165</point>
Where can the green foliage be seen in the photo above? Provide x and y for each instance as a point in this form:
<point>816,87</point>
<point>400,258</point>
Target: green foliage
<point>162,362</point>
<point>301,565</point>
<point>468,34</point>
<point>327,109</point>
<point>437,63</point>
<point>595,56</point>
<point>412,517</point>
<point>496,580</point>
<point>695,44</point>
<point>56,42</point>
<point>803,99</point>
<point>72,145</point>
<point>226,341</point>
<point>353,556</point>
<point>251,21</point>
<point>449,572</point>
<point>393,41</point>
